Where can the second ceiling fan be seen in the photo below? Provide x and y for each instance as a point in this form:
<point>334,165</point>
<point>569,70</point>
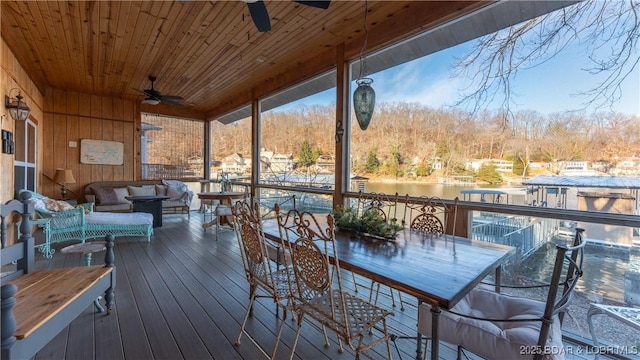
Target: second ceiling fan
<point>260,15</point>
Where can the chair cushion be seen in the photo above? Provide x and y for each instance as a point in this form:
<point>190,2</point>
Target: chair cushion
<point>494,340</point>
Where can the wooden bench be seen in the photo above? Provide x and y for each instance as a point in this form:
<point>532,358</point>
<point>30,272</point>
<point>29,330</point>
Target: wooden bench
<point>36,305</point>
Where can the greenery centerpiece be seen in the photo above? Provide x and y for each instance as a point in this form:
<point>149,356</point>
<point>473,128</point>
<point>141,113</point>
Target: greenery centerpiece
<point>371,224</point>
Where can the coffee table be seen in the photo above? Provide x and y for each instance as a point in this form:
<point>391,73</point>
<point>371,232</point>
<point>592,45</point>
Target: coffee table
<point>151,204</point>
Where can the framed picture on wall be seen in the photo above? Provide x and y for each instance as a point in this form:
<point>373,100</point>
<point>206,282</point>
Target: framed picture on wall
<point>101,152</point>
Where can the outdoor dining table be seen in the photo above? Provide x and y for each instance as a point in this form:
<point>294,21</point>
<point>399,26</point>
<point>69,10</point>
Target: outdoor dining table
<point>437,269</point>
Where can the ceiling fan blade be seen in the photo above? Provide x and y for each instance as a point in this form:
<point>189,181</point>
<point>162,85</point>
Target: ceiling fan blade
<point>317,4</point>
<point>171,97</point>
<point>259,15</point>
<point>170,102</point>
<point>138,90</point>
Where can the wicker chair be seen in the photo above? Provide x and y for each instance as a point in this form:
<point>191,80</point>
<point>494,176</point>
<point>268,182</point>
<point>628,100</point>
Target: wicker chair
<point>262,273</point>
<point>494,325</point>
<point>319,297</point>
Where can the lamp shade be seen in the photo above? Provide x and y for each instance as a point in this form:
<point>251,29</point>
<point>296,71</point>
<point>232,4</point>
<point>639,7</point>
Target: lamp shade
<point>64,177</point>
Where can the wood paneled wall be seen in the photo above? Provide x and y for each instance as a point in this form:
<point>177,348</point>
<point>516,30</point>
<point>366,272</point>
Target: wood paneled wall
<point>70,117</point>
<point>13,76</point>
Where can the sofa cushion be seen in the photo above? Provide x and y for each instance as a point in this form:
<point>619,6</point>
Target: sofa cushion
<point>105,196</point>
<point>121,194</point>
<point>161,190</point>
<point>141,190</point>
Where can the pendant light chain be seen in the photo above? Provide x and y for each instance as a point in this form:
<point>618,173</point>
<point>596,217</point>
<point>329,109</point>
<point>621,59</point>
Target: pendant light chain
<point>363,59</point>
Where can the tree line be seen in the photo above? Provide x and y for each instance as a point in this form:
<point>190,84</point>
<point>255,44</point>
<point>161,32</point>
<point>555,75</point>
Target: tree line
<point>405,137</point>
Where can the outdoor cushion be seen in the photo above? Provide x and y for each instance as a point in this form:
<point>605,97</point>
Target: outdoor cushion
<point>121,193</point>
<point>57,205</point>
<point>105,196</point>
<point>141,190</point>
<point>161,190</point>
<point>494,340</point>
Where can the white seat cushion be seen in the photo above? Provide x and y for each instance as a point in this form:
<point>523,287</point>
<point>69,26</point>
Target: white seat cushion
<point>494,340</point>
<point>109,218</point>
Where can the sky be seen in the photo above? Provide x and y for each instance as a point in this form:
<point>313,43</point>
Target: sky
<point>551,87</point>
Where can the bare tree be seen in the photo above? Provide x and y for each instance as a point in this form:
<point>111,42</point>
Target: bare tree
<point>609,29</point>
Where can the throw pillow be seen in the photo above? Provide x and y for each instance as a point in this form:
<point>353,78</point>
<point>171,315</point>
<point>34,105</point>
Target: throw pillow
<point>161,190</point>
<point>105,196</point>
<point>174,193</point>
<point>57,205</point>
<point>121,193</point>
<point>175,189</point>
<point>141,190</point>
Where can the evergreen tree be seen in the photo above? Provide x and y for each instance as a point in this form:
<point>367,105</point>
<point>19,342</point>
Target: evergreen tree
<point>372,163</point>
<point>489,174</point>
<point>306,156</point>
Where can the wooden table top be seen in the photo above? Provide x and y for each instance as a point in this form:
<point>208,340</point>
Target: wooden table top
<point>217,195</point>
<point>424,266</point>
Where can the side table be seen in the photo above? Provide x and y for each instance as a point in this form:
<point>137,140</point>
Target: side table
<point>151,204</point>
<point>87,249</point>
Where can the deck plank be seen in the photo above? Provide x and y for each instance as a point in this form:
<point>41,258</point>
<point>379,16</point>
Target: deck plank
<point>183,296</point>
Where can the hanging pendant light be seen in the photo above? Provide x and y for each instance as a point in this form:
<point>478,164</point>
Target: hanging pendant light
<point>364,97</point>
<point>364,101</point>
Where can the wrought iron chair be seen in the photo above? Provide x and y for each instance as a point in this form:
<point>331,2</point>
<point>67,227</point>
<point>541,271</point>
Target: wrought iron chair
<point>262,273</point>
<point>316,295</point>
<point>431,215</point>
<point>494,325</point>
<point>387,207</point>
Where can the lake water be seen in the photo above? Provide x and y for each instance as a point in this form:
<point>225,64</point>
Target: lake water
<point>603,270</point>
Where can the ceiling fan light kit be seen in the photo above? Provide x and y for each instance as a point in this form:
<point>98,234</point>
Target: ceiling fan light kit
<point>155,97</point>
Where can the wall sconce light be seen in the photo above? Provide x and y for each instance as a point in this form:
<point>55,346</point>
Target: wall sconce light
<point>17,108</point>
<point>64,177</point>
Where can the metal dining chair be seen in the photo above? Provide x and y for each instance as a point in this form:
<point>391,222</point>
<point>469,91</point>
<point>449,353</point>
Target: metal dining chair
<point>320,298</point>
<point>498,326</point>
<point>263,274</point>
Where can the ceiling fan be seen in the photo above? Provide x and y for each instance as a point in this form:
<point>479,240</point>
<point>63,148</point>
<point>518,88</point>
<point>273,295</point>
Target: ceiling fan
<point>154,97</point>
<point>260,15</point>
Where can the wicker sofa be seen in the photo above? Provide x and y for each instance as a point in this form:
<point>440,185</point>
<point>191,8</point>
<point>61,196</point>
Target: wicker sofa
<point>110,195</point>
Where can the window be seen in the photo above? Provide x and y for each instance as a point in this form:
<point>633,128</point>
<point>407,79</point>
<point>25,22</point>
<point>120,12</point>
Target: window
<point>25,155</point>
<point>171,148</point>
<point>297,136</point>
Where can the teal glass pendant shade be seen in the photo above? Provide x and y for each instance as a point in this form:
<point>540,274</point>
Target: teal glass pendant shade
<point>364,101</point>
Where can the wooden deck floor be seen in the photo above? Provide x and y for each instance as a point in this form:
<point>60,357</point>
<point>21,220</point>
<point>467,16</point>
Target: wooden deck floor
<point>183,296</point>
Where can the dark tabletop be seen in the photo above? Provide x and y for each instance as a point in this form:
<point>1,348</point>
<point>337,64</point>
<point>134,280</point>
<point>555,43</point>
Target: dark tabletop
<point>147,198</point>
<point>440,269</point>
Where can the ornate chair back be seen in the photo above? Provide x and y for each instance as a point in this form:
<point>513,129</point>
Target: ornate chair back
<point>431,215</point>
<point>316,294</point>
<point>384,205</point>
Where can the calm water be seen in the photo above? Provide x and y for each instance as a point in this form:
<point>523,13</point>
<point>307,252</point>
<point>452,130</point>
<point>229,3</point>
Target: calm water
<point>603,270</point>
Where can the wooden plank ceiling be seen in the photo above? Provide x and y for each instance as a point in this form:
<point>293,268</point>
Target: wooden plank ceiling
<point>208,52</point>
